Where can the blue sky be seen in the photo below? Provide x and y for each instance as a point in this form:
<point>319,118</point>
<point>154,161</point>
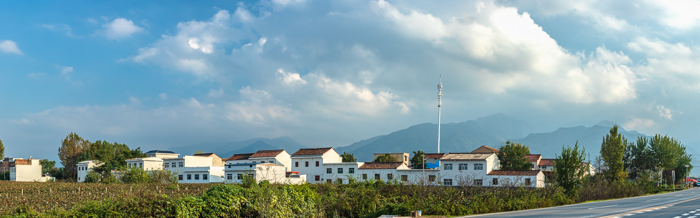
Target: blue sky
<point>159,74</point>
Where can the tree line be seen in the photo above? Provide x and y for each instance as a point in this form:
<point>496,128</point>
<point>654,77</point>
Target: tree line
<point>74,149</point>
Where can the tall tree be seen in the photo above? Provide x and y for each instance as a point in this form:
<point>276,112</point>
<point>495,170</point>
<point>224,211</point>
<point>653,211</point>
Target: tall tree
<point>46,165</point>
<point>69,152</point>
<point>2,150</point>
<point>639,159</point>
<point>418,160</point>
<point>348,157</point>
<point>512,156</point>
<point>386,158</point>
<point>569,168</point>
<point>612,151</point>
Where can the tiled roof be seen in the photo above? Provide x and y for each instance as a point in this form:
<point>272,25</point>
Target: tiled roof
<point>160,151</point>
<point>434,155</point>
<point>312,151</point>
<point>533,157</point>
<point>240,156</point>
<point>465,156</point>
<point>267,153</point>
<point>22,162</point>
<point>381,165</point>
<point>514,172</point>
<point>485,149</point>
<point>546,162</point>
<point>204,154</point>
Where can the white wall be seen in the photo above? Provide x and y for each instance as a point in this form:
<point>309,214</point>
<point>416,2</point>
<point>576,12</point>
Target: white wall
<point>26,173</point>
<point>346,175</point>
<point>312,170</point>
<point>196,174</point>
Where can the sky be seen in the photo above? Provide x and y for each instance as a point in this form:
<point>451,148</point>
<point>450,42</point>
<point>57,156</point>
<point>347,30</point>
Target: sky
<point>159,74</point>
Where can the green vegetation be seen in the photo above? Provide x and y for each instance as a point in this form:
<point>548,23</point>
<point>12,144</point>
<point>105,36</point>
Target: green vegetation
<point>47,165</point>
<point>75,149</point>
<point>612,150</point>
<point>348,157</point>
<point>386,158</point>
<point>512,156</point>
<point>418,160</point>
<point>2,150</point>
<point>569,169</point>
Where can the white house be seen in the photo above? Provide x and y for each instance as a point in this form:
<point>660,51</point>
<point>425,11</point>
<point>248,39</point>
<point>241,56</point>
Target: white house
<point>85,167</point>
<point>309,161</point>
<point>546,165</point>
<point>146,163</point>
<point>216,161</point>
<point>163,154</point>
<point>510,178</point>
<point>274,173</point>
<point>386,171</point>
<point>534,159</point>
<point>341,172</point>
<point>26,170</point>
<point>467,168</point>
<point>196,169</point>
<point>280,157</point>
<point>239,158</point>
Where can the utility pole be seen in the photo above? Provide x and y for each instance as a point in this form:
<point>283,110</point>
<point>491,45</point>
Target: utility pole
<point>439,112</point>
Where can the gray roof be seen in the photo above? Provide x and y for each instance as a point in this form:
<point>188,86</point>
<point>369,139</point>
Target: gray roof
<point>160,151</point>
<point>465,156</point>
<point>244,164</point>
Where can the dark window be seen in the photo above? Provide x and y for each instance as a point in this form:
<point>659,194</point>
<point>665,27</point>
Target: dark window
<point>364,176</point>
<point>317,164</point>
<point>463,167</point>
<point>448,166</point>
<point>351,170</point>
<point>240,176</point>
<point>329,180</point>
<point>478,166</point>
<point>329,170</point>
<point>479,182</point>
<point>317,178</point>
<point>404,178</point>
<point>340,170</point>
<point>307,164</point>
<point>179,177</point>
<point>172,164</point>
<point>495,181</point>
<point>527,182</point>
<point>431,178</point>
<point>296,164</point>
<point>340,181</point>
<point>196,176</point>
<point>377,177</point>
<point>181,164</point>
<point>447,182</point>
<point>229,176</point>
<point>189,176</point>
<point>204,176</point>
<point>389,176</point>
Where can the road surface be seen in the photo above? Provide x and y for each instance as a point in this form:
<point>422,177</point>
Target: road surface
<point>681,204</point>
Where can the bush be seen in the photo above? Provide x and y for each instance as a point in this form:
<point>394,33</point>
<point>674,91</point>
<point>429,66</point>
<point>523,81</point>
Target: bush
<point>92,177</point>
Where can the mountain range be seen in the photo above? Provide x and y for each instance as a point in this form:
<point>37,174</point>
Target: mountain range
<point>227,149</point>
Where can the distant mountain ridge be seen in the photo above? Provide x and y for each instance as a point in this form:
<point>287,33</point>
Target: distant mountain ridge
<point>227,149</point>
<point>591,138</point>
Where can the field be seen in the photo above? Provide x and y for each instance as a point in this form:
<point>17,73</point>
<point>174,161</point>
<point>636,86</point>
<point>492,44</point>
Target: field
<point>45,196</point>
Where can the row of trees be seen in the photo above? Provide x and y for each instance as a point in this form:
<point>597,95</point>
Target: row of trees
<point>75,149</point>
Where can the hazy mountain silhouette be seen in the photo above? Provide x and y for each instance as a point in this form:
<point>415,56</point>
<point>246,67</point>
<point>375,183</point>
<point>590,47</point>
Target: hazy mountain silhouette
<point>252,148</point>
<point>226,149</point>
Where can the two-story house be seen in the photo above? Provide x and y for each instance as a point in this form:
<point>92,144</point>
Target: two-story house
<point>84,167</point>
<point>196,168</point>
<point>26,170</point>
<point>309,161</point>
<point>274,173</point>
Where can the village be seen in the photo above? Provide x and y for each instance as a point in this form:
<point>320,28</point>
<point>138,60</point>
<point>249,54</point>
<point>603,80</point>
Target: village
<point>479,167</point>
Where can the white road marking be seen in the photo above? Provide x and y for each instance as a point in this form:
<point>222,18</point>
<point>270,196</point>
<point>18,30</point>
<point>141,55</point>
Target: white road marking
<point>691,217</point>
<point>685,214</point>
<point>653,199</point>
<point>603,206</point>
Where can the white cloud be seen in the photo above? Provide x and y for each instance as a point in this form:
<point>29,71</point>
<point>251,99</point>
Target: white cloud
<point>639,124</point>
<point>163,96</point>
<point>120,28</point>
<point>665,112</point>
<point>216,93</point>
<point>291,78</point>
<point>679,14</point>
<point>9,46</point>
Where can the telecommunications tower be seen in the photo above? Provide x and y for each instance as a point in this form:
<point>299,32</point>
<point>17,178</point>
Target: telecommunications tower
<point>439,109</point>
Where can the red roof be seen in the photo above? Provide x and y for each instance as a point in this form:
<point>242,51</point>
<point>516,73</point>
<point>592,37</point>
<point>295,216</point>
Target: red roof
<point>381,165</point>
<point>434,155</point>
<point>533,157</point>
<point>312,151</point>
<point>514,172</point>
<point>485,149</point>
<point>240,156</point>
<point>267,153</point>
<point>546,162</point>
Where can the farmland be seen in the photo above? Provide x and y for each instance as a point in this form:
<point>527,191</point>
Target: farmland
<point>42,197</point>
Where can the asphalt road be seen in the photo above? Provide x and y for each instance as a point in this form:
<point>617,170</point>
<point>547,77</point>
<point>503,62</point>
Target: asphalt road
<point>681,204</point>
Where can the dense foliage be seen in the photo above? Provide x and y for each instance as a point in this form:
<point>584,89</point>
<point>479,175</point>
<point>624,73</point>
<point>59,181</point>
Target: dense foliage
<point>75,149</point>
<point>386,158</point>
<point>569,169</point>
<point>47,165</point>
<point>612,151</point>
<point>418,160</point>
<point>348,157</point>
<point>2,150</point>
<point>512,156</point>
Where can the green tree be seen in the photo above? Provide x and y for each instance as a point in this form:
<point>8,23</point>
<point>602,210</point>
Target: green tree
<point>47,165</point>
<point>639,159</point>
<point>69,152</point>
<point>386,158</point>
<point>348,157</point>
<point>418,160</point>
<point>569,168</point>
<point>612,151</point>
<point>113,155</point>
<point>136,175</point>
<point>92,177</point>
<point>512,156</point>
<point>2,150</point>
<point>198,152</point>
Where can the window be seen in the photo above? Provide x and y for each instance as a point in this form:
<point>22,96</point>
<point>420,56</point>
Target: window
<point>478,166</point>
<point>495,181</point>
<point>129,165</point>
<point>229,166</point>
<point>229,176</point>
<point>196,176</point>
<point>240,176</point>
<point>329,170</point>
<point>351,170</point>
<point>340,181</point>
<point>261,162</point>
<point>204,176</point>
<point>296,164</point>
<point>179,177</point>
<point>340,170</point>
<point>317,178</point>
<point>479,182</point>
<point>447,182</point>
<point>448,166</point>
<point>377,177</point>
<point>389,176</point>
<point>307,164</point>
<point>329,180</point>
<point>182,164</point>
<point>317,164</point>
<point>463,166</point>
<point>189,176</point>
<point>364,176</point>
<point>527,182</point>
<point>404,178</point>
<point>172,164</point>
<point>140,164</point>
<point>431,178</point>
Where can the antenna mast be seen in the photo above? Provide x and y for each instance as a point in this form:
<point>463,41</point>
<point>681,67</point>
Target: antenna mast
<point>439,110</point>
